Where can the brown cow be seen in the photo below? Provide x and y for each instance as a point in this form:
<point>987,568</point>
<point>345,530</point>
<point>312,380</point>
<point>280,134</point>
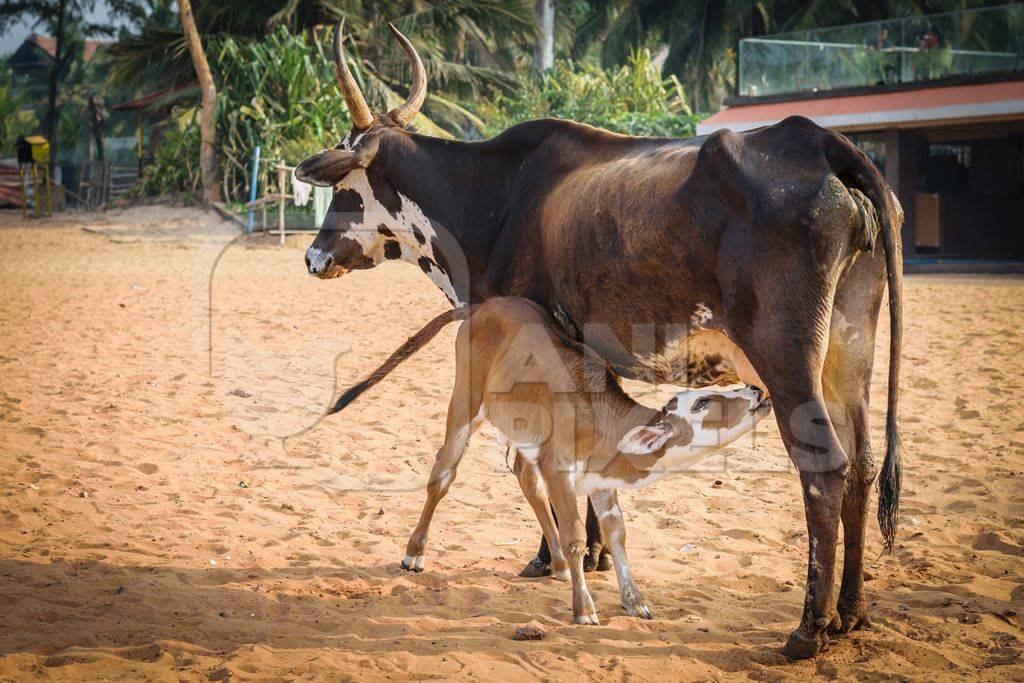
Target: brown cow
<point>736,256</point>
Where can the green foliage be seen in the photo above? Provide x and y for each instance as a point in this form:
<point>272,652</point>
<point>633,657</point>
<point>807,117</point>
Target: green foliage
<point>16,119</point>
<point>632,98</point>
<point>175,167</point>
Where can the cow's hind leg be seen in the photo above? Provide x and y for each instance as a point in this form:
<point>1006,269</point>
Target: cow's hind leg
<point>536,493</point>
<point>606,505</point>
<point>847,379</point>
<point>792,374</point>
<point>442,474</point>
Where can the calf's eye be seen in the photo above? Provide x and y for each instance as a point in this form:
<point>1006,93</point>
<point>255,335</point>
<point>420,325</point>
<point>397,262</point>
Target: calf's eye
<point>701,404</point>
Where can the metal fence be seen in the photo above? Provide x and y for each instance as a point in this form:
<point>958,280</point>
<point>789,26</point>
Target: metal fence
<point>965,43</point>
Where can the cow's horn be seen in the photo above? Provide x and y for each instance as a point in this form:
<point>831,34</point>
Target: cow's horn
<point>362,117</point>
<point>418,92</point>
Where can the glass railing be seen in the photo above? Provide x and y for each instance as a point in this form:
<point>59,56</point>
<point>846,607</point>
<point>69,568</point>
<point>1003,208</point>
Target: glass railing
<point>964,43</point>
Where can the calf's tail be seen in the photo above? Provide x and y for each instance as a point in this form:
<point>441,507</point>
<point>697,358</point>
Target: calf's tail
<point>414,344</point>
<point>854,168</point>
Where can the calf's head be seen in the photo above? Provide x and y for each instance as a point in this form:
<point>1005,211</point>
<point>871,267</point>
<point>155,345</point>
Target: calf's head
<point>368,221</point>
<point>700,419</point>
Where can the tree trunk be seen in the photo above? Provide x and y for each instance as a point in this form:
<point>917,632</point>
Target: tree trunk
<point>208,169</point>
<point>50,119</point>
<point>544,54</point>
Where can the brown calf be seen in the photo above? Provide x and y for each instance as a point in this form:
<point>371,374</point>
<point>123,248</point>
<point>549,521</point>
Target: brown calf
<point>574,430</point>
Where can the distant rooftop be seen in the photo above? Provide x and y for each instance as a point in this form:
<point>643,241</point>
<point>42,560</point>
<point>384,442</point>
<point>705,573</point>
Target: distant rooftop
<point>40,50</point>
<point>978,43</point>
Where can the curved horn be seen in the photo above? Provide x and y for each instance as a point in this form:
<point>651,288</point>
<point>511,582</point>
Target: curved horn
<point>362,117</point>
<point>418,92</point>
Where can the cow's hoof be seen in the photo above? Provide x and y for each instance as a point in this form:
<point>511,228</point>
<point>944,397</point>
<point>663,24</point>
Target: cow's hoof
<point>605,563</point>
<point>413,563</point>
<point>592,559</point>
<point>535,569</point>
<point>851,618</point>
<point>803,646</point>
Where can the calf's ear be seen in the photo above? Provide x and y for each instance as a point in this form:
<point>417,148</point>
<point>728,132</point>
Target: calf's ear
<point>646,438</point>
<point>327,168</point>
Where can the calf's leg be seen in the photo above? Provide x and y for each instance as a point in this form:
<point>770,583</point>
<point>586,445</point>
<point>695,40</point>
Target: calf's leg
<point>536,493</point>
<point>606,505</point>
<point>573,539</point>
<point>598,557</point>
<point>442,474</point>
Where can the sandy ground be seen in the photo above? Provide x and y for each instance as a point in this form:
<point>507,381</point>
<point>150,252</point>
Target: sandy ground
<point>173,509</point>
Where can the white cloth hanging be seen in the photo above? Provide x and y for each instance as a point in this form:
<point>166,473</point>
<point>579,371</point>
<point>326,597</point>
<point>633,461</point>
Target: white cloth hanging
<point>300,190</point>
<point>322,197</point>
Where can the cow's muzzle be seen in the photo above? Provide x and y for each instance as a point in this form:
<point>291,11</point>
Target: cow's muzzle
<point>321,263</point>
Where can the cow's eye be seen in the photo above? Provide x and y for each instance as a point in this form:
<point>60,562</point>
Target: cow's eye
<point>701,404</point>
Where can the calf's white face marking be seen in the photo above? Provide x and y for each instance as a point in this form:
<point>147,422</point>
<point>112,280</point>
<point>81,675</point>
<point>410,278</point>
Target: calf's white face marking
<point>694,407</point>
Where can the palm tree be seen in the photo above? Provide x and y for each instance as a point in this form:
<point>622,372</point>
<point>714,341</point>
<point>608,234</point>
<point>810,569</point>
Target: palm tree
<point>467,46</point>
<point>208,170</point>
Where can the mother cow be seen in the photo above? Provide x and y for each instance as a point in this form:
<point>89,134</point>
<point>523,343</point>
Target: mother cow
<point>745,256</point>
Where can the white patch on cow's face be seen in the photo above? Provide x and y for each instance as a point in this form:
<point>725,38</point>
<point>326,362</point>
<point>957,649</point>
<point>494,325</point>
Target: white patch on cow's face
<point>409,227</point>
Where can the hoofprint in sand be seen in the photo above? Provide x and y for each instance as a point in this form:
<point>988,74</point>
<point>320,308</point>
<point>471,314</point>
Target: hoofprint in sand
<point>173,506</point>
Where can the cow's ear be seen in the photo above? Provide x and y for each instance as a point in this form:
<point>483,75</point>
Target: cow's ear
<point>327,168</point>
<point>646,439</point>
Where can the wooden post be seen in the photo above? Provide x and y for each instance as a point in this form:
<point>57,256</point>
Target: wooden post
<point>283,189</point>
<point>24,191</point>
<point>35,189</point>
<point>49,196</point>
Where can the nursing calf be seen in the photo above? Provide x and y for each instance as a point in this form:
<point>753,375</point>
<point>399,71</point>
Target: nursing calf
<point>574,430</point>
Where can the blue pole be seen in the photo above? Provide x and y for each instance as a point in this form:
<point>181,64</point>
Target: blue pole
<point>252,184</point>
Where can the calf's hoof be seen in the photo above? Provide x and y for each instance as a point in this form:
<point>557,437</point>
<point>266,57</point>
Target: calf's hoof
<point>639,611</point>
<point>605,563</point>
<point>560,574</point>
<point>802,645</point>
<point>413,563</point>
<point>586,620</point>
<point>535,569</point>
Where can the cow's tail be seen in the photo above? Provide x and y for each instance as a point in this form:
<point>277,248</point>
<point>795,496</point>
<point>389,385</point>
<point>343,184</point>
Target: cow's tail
<point>414,344</point>
<point>854,168</point>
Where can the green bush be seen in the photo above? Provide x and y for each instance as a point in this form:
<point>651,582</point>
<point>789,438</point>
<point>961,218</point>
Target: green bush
<point>279,93</point>
<point>175,167</point>
<point>16,118</point>
<point>633,98</point>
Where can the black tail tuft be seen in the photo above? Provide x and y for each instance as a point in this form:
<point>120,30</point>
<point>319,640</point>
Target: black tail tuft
<point>351,394</point>
<point>889,481</point>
